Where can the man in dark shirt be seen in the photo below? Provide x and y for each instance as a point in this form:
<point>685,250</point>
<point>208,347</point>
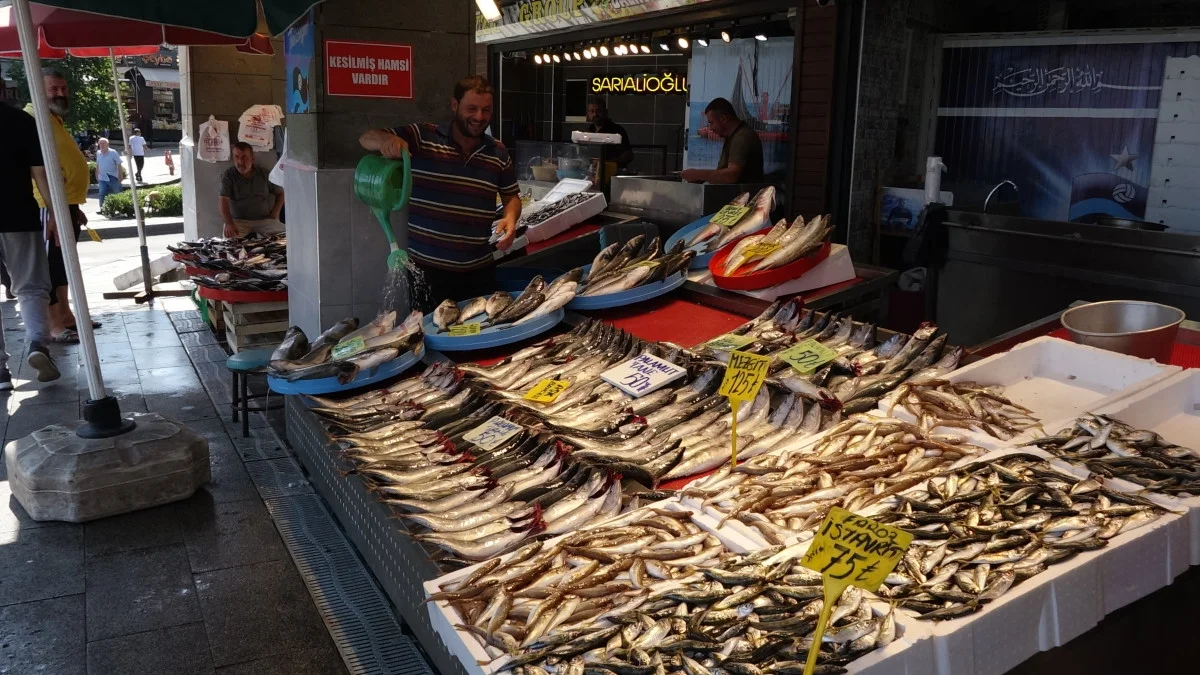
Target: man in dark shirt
<point>741,156</point>
<point>457,172</point>
<point>22,241</point>
<point>597,116</point>
<point>249,202</point>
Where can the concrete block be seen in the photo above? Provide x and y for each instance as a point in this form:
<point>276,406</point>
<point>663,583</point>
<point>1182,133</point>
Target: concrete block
<point>228,60</point>
<point>413,15</point>
<point>56,475</point>
<point>227,96</point>
<point>334,195</point>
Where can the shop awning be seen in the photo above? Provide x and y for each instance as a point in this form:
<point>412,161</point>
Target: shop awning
<point>158,78</point>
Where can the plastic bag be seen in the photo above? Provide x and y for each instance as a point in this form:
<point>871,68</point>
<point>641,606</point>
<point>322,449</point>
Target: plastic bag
<point>276,175</point>
<point>213,145</point>
<point>256,126</point>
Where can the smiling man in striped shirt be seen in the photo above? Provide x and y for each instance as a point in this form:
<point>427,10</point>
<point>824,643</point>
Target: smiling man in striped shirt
<point>457,172</point>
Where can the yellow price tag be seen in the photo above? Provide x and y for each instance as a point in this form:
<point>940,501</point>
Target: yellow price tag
<point>729,216</point>
<point>760,250</point>
<point>349,348</point>
<point>464,330</point>
<point>547,391</point>
<point>744,376</point>
<point>728,342</point>
<point>851,550</point>
<point>808,356</point>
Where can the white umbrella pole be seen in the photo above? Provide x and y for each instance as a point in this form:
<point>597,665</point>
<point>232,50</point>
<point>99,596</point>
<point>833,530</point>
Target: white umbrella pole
<point>58,196</point>
<point>147,281</point>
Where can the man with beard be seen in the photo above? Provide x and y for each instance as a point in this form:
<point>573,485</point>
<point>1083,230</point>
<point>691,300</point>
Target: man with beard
<point>457,172</point>
<point>75,180</point>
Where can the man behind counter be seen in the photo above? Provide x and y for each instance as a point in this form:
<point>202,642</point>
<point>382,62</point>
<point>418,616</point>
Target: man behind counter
<point>741,156</point>
<point>597,117</point>
<point>457,172</point>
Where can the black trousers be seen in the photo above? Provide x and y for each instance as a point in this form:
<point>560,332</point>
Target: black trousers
<point>54,255</point>
<point>140,161</point>
<point>439,284</point>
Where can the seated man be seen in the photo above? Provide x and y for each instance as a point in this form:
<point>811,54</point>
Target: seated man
<point>249,202</point>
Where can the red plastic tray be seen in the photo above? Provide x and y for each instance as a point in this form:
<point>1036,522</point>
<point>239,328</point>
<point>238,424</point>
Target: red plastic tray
<point>765,278</point>
<point>241,296</point>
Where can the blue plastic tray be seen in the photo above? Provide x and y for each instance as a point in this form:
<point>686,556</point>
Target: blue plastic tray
<point>629,297</point>
<point>492,336</point>
<point>330,385</point>
<point>700,262</point>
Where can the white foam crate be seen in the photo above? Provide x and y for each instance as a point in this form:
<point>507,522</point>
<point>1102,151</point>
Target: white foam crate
<point>910,654</point>
<point>1056,379</point>
<point>564,221</point>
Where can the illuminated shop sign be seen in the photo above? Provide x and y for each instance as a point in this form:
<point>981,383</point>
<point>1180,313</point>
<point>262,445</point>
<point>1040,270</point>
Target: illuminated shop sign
<point>649,83</point>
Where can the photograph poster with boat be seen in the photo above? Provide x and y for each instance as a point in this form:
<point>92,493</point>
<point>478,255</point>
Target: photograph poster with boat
<point>756,77</point>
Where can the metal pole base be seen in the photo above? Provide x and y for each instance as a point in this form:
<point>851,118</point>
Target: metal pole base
<point>102,419</point>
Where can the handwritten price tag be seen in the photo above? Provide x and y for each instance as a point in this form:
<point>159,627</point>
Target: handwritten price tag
<point>643,374</point>
<point>492,433</point>
<point>808,356</point>
<point>464,330</point>
<point>729,216</point>
<point>547,391</point>
<point>851,550</point>
<point>728,342</point>
<point>760,250</point>
<point>744,376</point>
<point>349,348</point>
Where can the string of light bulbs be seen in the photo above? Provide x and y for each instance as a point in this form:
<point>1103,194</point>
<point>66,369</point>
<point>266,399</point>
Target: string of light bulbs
<point>677,41</point>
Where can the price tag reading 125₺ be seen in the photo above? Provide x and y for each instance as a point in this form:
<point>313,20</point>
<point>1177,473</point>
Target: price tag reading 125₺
<point>729,216</point>
<point>643,374</point>
<point>808,356</point>
<point>744,375</point>
<point>492,433</point>
<point>464,330</point>
<point>547,391</point>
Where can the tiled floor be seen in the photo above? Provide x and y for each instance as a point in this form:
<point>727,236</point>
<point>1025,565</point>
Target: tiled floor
<point>201,586</point>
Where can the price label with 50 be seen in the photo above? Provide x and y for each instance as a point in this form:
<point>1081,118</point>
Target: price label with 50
<point>808,356</point>
<point>492,433</point>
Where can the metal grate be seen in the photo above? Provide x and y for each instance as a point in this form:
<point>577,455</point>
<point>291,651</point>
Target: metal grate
<point>280,477</point>
<point>358,616</point>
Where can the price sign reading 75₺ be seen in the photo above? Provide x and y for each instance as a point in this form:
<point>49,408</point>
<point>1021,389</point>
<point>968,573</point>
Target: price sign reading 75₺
<point>744,376</point>
<point>492,433</point>
<point>851,550</point>
<point>729,216</point>
<point>807,356</point>
<point>547,391</point>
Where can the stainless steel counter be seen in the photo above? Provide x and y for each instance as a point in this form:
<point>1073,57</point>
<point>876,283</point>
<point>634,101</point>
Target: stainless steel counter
<point>1001,272</point>
<point>670,202</point>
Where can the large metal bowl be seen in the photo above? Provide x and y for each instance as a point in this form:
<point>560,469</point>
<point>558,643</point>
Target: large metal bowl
<point>1143,329</point>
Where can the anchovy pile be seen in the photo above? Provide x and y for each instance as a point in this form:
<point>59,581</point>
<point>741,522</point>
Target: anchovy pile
<point>535,218</point>
<point>1113,449</point>
<point>651,592</point>
<point>989,526</point>
<point>239,262</point>
<point>964,405</point>
<point>620,267</point>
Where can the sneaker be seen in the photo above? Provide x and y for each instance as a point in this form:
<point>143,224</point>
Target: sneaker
<point>5,380</point>
<point>39,359</point>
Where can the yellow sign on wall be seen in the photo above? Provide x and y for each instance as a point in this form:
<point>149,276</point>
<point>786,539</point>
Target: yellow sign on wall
<point>649,83</point>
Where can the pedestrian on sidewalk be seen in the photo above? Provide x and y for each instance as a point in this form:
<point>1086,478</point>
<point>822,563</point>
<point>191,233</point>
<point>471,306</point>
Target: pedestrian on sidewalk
<point>137,145</point>
<point>108,170</point>
<point>75,179</point>
<point>22,242</point>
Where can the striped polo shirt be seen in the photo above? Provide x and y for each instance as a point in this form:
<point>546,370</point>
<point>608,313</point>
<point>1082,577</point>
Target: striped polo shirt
<point>453,203</point>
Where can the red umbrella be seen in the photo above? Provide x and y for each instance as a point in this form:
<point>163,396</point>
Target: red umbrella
<point>73,29</point>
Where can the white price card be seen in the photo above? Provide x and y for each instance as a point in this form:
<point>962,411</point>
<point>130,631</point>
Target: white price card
<point>642,375</point>
<point>492,433</point>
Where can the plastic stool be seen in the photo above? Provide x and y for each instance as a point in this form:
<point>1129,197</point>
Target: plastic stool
<point>244,364</point>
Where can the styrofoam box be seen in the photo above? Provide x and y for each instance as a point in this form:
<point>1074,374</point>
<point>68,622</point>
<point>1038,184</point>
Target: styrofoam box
<point>1056,379</point>
<point>564,221</point>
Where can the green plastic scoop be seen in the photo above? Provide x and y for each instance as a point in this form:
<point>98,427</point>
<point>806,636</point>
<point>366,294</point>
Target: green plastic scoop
<point>385,185</point>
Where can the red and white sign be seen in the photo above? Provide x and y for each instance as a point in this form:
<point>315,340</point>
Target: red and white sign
<point>368,69</point>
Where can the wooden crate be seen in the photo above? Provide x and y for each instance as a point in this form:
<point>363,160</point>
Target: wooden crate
<point>216,315</point>
<point>252,325</point>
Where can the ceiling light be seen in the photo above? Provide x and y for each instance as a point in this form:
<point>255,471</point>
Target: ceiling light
<point>587,54</point>
<point>632,48</point>
<point>725,36</point>
<point>556,59</point>
<point>664,46</point>
<point>760,37</point>
<point>567,55</point>
<point>683,42</point>
<point>488,9</point>
<point>619,50</point>
<point>702,42</point>
<point>595,52</point>
<point>537,59</point>
<point>645,49</point>
<point>546,59</point>
<point>603,50</point>
<point>578,57</point>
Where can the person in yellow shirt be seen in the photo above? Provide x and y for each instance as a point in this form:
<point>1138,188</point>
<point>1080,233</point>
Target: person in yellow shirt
<point>75,178</point>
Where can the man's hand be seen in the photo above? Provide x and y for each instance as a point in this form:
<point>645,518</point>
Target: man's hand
<point>508,227</point>
<point>230,232</point>
<point>51,228</point>
<point>79,216</point>
<point>393,147</point>
<point>693,176</point>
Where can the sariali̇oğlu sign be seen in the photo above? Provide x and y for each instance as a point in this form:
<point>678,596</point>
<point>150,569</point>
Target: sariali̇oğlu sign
<point>647,83</point>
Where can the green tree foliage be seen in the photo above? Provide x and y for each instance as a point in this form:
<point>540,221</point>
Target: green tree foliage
<point>91,84</point>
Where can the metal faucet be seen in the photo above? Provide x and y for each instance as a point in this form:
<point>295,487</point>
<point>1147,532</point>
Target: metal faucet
<point>993,192</point>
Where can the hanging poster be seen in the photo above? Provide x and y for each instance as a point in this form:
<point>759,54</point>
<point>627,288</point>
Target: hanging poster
<point>1072,124</point>
<point>756,77</point>
<point>298,57</point>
